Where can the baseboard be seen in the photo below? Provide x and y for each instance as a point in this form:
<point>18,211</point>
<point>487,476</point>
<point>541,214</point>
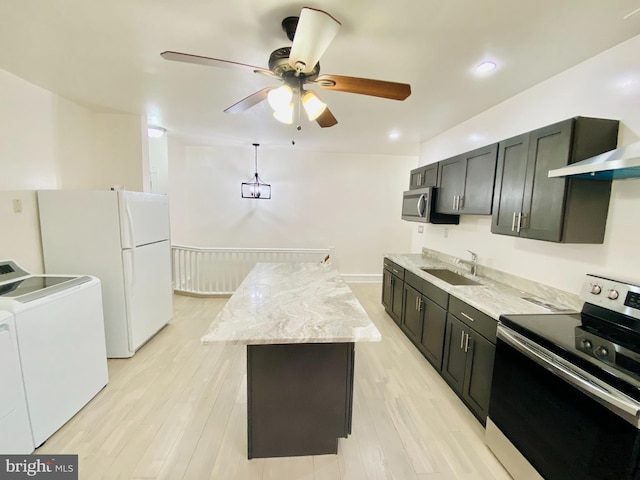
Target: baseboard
<point>362,278</point>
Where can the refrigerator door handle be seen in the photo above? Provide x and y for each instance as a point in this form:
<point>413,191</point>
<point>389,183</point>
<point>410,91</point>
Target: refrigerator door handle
<point>131,238</point>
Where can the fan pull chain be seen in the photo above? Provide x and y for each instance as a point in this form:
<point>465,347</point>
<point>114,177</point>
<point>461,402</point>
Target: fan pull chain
<point>297,106</point>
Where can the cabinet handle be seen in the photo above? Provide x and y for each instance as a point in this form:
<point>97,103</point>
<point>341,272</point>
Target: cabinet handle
<point>462,340</point>
<point>460,202</point>
<point>395,271</point>
<point>454,201</point>
<point>467,316</point>
<point>420,179</point>
<point>519,222</point>
<point>513,222</point>
<point>466,343</point>
<point>419,304</point>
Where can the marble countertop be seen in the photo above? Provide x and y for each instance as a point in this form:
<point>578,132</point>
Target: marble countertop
<point>495,296</point>
<point>292,303</point>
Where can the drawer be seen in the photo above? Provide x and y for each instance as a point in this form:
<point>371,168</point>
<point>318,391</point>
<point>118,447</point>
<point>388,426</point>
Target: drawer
<point>474,318</point>
<point>435,294</point>
<point>414,280</point>
<point>394,268</point>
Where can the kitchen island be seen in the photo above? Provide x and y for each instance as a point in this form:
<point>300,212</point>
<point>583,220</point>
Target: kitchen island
<point>300,322</point>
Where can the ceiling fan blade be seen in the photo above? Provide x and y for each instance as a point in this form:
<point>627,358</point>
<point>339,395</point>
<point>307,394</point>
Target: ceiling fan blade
<point>211,62</point>
<point>250,101</point>
<point>326,119</point>
<point>315,31</point>
<point>364,86</point>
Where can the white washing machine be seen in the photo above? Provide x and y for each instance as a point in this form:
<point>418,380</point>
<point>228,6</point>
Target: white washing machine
<point>60,335</point>
<point>15,431</point>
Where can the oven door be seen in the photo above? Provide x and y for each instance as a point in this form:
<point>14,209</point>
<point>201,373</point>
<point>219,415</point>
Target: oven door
<point>566,423</point>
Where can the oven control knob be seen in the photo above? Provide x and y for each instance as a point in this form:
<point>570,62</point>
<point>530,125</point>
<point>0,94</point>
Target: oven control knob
<point>586,344</point>
<point>602,351</point>
<point>596,289</point>
<point>613,294</point>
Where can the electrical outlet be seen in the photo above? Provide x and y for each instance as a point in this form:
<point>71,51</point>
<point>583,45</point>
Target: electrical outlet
<point>17,205</point>
<point>420,228</point>
<point>446,233</point>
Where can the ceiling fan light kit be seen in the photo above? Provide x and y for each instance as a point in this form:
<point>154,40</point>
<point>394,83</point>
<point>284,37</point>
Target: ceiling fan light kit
<point>313,105</point>
<point>295,66</point>
<point>255,188</point>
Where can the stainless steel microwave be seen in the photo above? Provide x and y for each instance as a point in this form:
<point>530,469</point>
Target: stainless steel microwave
<point>419,206</point>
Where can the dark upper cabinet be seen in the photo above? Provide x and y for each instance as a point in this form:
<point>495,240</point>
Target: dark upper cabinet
<point>465,182</point>
<point>422,177</point>
<point>527,203</point>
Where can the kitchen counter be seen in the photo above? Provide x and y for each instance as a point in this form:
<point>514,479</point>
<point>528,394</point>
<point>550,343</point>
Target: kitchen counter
<point>300,322</point>
<point>495,296</point>
<point>280,303</point>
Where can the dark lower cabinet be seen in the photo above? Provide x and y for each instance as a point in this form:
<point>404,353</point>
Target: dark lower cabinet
<point>468,365</point>
<point>433,329</point>
<point>455,358</point>
<point>423,320</point>
<point>457,339</point>
<point>412,318</point>
<point>392,289</point>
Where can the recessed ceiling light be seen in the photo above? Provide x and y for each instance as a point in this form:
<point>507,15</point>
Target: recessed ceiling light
<point>485,67</point>
<point>394,135</point>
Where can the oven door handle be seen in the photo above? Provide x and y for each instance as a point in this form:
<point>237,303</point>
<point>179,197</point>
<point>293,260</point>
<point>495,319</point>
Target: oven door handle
<point>576,379</point>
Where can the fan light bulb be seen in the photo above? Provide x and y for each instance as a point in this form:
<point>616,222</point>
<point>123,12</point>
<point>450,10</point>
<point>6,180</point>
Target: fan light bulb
<point>280,98</point>
<point>285,114</point>
<point>313,105</point>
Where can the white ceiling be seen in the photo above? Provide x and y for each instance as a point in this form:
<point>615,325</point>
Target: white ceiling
<point>106,55</point>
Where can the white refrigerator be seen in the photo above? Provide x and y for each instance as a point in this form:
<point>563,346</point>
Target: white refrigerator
<point>122,238</point>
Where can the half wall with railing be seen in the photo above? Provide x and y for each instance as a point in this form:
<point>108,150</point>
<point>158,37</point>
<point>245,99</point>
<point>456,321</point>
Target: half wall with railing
<point>219,271</point>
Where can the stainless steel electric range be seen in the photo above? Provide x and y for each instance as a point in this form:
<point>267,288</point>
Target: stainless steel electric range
<point>565,395</point>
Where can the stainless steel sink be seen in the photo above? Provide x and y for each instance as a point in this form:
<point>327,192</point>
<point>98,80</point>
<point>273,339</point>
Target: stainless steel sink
<point>450,277</point>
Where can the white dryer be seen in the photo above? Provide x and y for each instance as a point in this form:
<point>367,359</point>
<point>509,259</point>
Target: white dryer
<point>61,343</point>
<point>15,431</point>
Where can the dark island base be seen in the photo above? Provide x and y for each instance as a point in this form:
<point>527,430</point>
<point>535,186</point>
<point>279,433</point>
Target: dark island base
<point>299,398</point>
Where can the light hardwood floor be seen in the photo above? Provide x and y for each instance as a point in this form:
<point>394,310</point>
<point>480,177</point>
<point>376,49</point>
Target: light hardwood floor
<point>177,410</point>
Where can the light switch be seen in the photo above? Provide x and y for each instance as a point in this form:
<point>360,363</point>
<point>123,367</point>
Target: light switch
<point>17,205</point>
<point>420,229</point>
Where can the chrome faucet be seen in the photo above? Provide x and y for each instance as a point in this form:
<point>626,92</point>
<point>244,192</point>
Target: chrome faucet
<point>473,263</point>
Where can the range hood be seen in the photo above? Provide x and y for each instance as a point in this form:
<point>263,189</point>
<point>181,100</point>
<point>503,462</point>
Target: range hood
<point>623,162</point>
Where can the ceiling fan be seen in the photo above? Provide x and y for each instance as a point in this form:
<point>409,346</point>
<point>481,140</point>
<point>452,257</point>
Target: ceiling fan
<point>297,66</point>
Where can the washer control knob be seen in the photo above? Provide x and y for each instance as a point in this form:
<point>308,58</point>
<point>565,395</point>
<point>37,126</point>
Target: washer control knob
<point>586,344</point>
<point>596,289</point>
<point>613,294</point>
<point>602,351</point>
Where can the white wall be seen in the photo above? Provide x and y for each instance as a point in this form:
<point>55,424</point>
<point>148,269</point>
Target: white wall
<point>350,202</point>
<point>606,86</point>
<point>48,142</point>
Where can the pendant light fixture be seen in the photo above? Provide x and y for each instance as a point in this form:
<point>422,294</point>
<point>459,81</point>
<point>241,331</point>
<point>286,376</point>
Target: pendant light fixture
<point>256,188</point>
